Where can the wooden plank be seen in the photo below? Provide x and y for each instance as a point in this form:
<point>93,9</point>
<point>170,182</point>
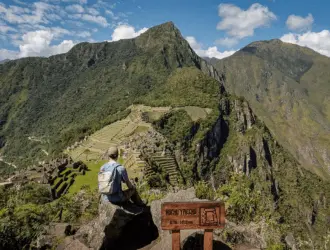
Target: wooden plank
<point>208,239</point>
<point>176,240</point>
<point>192,215</point>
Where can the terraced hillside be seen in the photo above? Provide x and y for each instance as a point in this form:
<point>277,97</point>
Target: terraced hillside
<point>131,135</point>
<point>65,178</point>
<point>93,147</point>
<point>168,164</point>
<point>135,165</point>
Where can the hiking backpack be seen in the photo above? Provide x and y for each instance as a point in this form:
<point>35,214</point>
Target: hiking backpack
<point>106,180</point>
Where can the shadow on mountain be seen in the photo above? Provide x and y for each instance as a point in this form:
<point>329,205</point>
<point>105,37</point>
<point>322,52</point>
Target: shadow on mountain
<point>136,234</point>
<point>196,242</point>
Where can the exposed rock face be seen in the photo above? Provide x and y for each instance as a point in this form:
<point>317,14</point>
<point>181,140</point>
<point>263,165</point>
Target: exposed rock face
<point>104,230</point>
<point>190,239</point>
<point>181,196</point>
<point>210,147</point>
<point>282,84</point>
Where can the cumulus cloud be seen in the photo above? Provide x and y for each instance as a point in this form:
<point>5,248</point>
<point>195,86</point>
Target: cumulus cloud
<point>209,52</point>
<point>318,41</point>
<point>126,32</point>
<point>227,42</point>
<point>75,8</point>
<point>8,54</point>
<point>240,23</point>
<point>299,23</point>
<point>38,43</point>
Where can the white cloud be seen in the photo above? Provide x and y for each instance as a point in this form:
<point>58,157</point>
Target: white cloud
<point>63,47</point>
<point>93,11</point>
<point>209,52</point>
<point>19,10</point>
<point>299,23</point>
<point>74,23</point>
<point>19,2</point>
<point>84,34</point>
<point>58,31</point>
<point>75,1</point>
<point>111,14</point>
<point>8,54</point>
<point>227,42</point>
<point>53,17</point>
<point>5,28</point>
<point>75,8</point>
<point>94,19</point>
<point>18,15</point>
<point>242,23</point>
<point>37,43</point>
<point>126,32</point>
<point>318,41</point>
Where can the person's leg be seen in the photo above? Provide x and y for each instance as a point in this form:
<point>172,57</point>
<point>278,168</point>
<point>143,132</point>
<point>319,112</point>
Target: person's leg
<point>132,194</point>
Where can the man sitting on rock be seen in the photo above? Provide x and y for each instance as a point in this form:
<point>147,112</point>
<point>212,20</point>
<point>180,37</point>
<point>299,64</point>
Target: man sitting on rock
<point>118,196</point>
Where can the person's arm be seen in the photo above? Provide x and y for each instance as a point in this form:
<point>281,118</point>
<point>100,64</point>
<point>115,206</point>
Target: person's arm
<point>126,179</point>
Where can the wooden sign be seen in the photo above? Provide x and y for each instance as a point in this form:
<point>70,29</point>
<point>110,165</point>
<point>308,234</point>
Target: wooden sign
<point>192,215</point>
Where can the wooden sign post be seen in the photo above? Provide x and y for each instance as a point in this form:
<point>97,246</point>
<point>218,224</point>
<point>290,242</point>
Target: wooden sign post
<point>193,215</point>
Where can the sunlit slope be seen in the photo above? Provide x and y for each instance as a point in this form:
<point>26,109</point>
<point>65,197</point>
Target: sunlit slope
<point>288,87</point>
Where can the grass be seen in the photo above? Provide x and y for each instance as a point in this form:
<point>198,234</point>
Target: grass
<point>141,129</point>
<point>89,179</point>
<point>196,113</point>
<point>56,181</point>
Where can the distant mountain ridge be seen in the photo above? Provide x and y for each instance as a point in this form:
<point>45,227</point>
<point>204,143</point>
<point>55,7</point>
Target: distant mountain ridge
<point>288,87</point>
<point>4,61</point>
<point>48,104</point>
<point>66,96</point>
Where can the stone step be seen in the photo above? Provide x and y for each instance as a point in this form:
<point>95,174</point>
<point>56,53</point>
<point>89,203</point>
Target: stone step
<point>168,165</point>
<point>172,172</point>
<point>171,169</point>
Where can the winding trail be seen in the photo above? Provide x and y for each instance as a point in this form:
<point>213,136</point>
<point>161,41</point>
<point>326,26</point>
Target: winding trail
<point>8,163</point>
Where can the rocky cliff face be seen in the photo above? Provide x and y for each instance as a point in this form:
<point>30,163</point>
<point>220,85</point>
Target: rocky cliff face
<point>287,87</point>
<point>260,182</point>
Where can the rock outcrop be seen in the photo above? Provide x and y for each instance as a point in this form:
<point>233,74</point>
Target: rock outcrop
<point>190,239</point>
<point>108,230</point>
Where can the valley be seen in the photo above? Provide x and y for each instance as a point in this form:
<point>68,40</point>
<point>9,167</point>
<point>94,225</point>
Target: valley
<point>254,137</point>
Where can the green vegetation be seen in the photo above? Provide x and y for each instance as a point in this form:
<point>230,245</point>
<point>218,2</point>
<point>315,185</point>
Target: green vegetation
<point>147,194</point>
<point>185,87</point>
<point>275,189</point>
<point>86,88</point>
<point>175,125</point>
<point>89,179</point>
<point>24,213</point>
<point>93,85</point>
<point>288,88</point>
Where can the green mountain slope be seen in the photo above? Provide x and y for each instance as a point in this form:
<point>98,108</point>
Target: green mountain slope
<point>46,104</point>
<point>58,99</point>
<point>288,87</point>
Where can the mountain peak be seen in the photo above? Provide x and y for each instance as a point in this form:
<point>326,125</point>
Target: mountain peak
<point>164,27</point>
<point>166,33</point>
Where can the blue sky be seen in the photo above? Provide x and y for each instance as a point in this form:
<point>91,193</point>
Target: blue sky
<point>213,28</point>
